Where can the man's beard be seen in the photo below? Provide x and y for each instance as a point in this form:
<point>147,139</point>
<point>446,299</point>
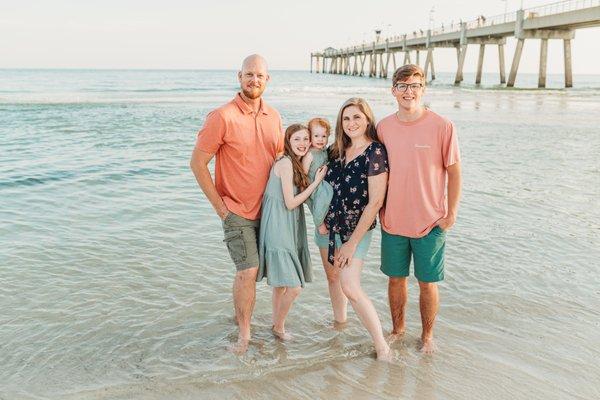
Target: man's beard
<point>253,94</point>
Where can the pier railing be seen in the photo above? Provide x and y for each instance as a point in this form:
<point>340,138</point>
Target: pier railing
<point>539,11</point>
<point>560,7</point>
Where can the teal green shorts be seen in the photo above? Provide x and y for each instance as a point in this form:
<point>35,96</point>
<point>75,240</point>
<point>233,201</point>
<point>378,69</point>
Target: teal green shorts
<point>362,249</point>
<point>427,253</point>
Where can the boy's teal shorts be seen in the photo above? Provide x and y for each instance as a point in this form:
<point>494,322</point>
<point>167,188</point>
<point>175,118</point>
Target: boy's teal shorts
<point>427,253</point>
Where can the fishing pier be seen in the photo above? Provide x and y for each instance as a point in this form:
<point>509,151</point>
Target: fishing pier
<point>556,21</point>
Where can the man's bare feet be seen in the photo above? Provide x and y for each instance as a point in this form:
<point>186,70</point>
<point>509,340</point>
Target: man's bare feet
<point>428,346</point>
<point>323,229</point>
<point>240,347</point>
<point>394,336</point>
<point>282,335</point>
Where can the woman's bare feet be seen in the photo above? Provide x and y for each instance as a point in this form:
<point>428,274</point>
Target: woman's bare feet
<point>428,346</point>
<point>339,326</point>
<point>282,335</point>
<point>384,354</point>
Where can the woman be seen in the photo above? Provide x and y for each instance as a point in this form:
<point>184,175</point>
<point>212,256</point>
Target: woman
<point>358,174</point>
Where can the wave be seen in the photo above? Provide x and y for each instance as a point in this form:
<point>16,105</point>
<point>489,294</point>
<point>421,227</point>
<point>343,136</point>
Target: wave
<point>17,181</point>
<point>89,176</point>
<point>73,100</point>
<point>151,90</point>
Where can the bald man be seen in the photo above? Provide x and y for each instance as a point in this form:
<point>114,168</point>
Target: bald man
<point>245,135</point>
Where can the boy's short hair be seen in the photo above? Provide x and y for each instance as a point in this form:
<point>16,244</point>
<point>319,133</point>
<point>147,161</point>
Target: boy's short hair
<point>319,121</point>
<point>406,71</point>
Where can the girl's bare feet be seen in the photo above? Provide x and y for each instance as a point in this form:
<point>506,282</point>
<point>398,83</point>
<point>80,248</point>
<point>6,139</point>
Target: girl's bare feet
<point>282,335</point>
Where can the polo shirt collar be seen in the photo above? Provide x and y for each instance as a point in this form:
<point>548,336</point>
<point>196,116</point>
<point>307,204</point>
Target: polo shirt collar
<point>246,109</point>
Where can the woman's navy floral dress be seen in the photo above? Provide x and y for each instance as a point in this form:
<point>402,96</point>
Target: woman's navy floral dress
<point>351,191</point>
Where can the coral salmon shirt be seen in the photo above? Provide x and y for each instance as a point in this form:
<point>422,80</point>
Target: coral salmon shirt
<point>245,146</point>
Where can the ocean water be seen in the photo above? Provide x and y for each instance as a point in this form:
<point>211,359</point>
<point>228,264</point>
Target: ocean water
<point>115,283</point>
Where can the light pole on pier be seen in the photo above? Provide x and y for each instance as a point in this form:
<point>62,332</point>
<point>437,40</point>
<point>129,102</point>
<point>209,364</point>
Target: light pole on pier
<point>431,17</point>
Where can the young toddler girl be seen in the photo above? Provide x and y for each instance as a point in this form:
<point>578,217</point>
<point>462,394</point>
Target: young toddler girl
<point>319,200</point>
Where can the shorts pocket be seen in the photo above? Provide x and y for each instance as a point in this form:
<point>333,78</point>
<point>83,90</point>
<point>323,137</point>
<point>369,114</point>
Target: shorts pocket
<point>234,240</point>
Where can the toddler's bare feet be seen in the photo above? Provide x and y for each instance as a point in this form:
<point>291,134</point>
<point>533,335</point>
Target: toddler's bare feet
<point>323,229</point>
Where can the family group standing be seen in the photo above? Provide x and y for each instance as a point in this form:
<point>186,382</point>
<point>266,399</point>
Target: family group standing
<point>405,169</point>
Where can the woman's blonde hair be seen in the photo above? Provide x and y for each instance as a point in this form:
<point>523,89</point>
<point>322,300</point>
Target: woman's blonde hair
<point>342,141</point>
<point>300,177</point>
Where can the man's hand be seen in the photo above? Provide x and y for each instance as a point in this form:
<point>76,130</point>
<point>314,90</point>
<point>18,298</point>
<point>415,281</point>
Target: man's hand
<point>223,212</point>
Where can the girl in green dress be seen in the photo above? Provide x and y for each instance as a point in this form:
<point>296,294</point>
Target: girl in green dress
<point>284,258</point>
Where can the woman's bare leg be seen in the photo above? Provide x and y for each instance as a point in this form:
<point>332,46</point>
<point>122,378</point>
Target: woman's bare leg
<point>339,302</point>
<point>350,280</point>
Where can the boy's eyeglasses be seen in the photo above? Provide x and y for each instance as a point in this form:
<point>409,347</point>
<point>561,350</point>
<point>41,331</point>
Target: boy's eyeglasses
<point>403,87</point>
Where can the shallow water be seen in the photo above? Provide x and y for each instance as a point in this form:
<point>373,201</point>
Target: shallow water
<point>115,283</point>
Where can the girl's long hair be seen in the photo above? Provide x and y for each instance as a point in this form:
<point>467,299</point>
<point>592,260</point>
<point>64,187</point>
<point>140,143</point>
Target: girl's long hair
<point>300,178</point>
<point>342,141</point>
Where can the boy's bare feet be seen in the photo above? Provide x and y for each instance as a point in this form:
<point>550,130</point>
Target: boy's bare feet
<point>428,346</point>
<point>394,336</point>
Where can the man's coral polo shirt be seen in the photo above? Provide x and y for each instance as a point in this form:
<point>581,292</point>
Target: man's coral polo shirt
<point>245,146</point>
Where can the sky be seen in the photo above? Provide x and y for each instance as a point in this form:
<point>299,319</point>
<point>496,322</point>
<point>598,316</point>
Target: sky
<point>184,34</point>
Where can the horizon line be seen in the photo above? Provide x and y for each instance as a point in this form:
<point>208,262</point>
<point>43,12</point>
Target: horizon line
<point>215,69</point>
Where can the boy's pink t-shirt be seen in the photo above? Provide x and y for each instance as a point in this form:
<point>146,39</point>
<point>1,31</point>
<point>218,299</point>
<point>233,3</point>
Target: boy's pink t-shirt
<point>418,153</point>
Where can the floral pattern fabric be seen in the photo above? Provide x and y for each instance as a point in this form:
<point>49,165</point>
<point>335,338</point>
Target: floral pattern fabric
<point>351,191</point>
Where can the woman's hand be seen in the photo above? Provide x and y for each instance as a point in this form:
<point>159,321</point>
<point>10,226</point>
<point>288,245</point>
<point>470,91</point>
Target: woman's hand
<point>321,172</point>
<point>345,255</point>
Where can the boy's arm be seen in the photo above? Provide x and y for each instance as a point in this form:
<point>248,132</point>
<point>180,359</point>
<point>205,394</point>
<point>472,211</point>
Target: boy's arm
<point>454,190</point>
